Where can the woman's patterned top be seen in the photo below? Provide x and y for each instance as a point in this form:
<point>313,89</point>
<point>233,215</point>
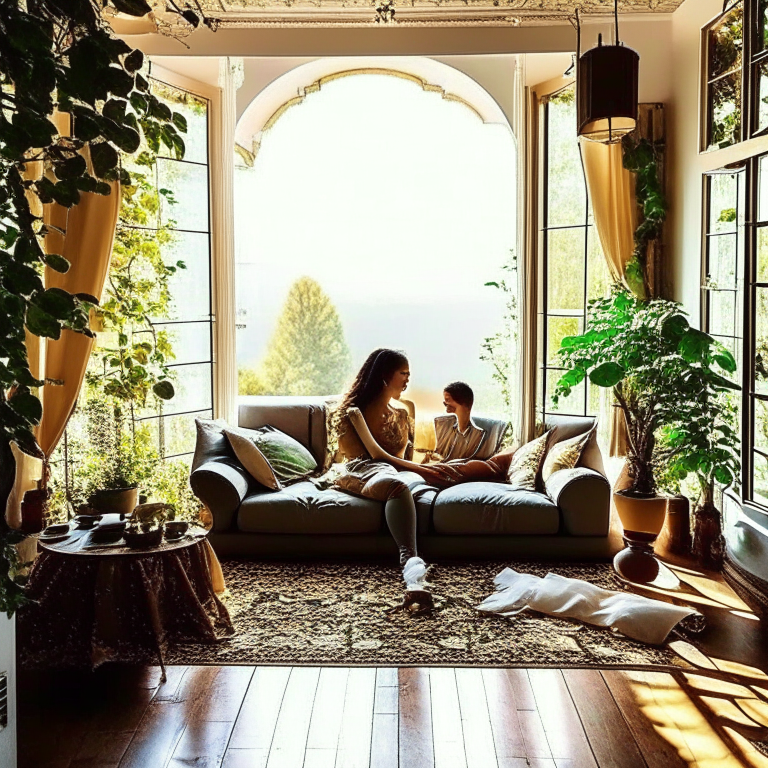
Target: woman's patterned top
<point>394,434</point>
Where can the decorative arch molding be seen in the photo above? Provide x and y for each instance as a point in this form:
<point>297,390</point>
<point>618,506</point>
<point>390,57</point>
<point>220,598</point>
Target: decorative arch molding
<point>253,124</point>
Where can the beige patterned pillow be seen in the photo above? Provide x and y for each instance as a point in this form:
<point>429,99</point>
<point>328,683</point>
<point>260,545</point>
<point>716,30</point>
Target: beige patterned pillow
<point>566,453</point>
<point>523,472</point>
<point>253,460</point>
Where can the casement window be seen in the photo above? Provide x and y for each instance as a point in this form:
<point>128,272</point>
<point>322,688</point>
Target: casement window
<point>189,325</point>
<point>572,267</point>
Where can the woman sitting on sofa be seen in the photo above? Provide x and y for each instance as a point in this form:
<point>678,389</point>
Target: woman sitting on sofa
<point>376,440</point>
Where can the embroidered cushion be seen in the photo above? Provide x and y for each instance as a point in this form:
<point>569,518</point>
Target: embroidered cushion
<point>566,453</point>
<point>524,471</point>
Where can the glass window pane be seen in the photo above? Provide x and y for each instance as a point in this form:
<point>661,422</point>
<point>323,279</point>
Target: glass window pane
<point>190,287</point>
<point>598,276</point>
<point>760,479</point>
<point>565,269</point>
<point>722,261</point>
<point>761,267</point>
<point>726,43</point>
<point>566,189</point>
<point>762,25</point>
<point>761,425</point>
<point>761,340</point>
<point>722,202</point>
<point>573,404</point>
<point>761,79</point>
<point>191,342</point>
<point>190,191</point>
<point>195,111</point>
<point>762,189</point>
<point>559,328</point>
<point>193,388</point>
<point>734,346</point>
<point>722,313</point>
<point>179,433</point>
<point>725,110</point>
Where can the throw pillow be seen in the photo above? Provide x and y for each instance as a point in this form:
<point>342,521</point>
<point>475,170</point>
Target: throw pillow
<point>253,460</point>
<point>566,453</point>
<point>286,459</point>
<point>524,470</point>
<point>211,443</point>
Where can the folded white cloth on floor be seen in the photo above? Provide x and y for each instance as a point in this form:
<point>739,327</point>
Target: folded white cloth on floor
<point>637,617</point>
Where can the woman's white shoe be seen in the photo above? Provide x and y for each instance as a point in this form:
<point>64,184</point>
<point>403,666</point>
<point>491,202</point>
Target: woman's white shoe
<point>417,597</point>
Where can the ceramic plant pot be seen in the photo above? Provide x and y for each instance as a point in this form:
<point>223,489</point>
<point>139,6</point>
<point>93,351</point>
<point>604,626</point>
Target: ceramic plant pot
<point>642,519</point>
<point>118,500</point>
<point>679,525</point>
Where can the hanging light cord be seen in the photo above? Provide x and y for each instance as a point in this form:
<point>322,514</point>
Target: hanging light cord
<point>616,17</point>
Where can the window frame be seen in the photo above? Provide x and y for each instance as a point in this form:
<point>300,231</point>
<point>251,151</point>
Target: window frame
<point>543,367</point>
<point>208,317</point>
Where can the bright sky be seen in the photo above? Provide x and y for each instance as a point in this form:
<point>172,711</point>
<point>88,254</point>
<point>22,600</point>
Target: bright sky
<point>400,204</point>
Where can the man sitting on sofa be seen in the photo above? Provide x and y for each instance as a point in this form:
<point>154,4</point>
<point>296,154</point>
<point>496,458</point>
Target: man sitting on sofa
<point>458,437</point>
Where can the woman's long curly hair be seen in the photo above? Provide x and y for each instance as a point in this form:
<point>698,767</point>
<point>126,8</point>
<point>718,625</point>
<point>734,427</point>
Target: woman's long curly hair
<point>378,368</point>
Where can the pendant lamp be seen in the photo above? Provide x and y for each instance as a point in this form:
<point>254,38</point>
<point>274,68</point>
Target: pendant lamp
<point>606,88</point>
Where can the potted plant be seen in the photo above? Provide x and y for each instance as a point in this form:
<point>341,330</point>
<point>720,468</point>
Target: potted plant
<point>655,364</point>
<point>702,440</point>
<point>118,460</point>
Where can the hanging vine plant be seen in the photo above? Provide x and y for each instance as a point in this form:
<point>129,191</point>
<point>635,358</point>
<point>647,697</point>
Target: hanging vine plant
<point>57,56</point>
<point>642,157</point>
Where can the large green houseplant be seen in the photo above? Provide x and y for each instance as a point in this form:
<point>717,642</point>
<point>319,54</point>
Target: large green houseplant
<point>60,56</point>
<point>659,369</point>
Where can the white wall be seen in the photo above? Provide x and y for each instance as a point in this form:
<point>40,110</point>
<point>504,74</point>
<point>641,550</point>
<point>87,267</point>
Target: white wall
<point>8,664</point>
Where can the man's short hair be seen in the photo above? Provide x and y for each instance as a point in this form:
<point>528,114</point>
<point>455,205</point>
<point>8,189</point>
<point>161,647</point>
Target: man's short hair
<point>462,393</point>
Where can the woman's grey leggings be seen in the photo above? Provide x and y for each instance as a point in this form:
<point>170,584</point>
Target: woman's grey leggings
<point>400,512</point>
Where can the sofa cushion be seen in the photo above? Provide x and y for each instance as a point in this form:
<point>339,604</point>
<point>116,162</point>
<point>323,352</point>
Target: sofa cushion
<point>303,508</point>
<point>493,508</point>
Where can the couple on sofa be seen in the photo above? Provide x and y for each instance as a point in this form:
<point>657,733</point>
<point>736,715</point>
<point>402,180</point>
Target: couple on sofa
<point>376,441</point>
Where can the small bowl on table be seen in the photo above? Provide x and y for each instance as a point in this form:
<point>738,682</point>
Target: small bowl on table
<point>86,521</point>
<point>136,538</point>
<point>175,529</point>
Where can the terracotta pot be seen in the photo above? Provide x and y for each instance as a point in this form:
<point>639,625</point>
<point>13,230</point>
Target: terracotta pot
<point>642,519</point>
<point>640,515</point>
<point>118,500</point>
<point>679,525</point>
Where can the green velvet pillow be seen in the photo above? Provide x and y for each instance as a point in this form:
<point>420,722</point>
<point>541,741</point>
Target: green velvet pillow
<point>287,459</point>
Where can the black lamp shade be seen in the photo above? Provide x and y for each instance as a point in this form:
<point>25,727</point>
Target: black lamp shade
<point>607,92</point>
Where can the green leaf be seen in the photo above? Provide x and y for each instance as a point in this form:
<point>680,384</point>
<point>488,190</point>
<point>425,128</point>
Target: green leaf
<point>57,263</point>
<point>71,167</point>
<point>138,102</point>
<point>132,7</point>
<point>694,346</point>
<point>40,323</point>
<point>675,327</point>
<point>56,302</point>
<point>725,360</point>
<point>181,123</point>
<point>607,375</point>
<point>164,390</point>
<point>134,61</point>
<point>104,157</point>
<point>27,406</point>
<point>723,475</point>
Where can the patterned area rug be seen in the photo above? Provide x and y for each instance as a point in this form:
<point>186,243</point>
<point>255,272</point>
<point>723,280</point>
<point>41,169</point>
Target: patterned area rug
<point>347,614</point>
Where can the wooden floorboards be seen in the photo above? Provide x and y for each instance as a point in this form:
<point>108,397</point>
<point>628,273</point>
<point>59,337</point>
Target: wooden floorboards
<point>335,717</point>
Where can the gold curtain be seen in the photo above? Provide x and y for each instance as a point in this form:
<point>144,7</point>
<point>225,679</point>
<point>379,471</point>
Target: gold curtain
<point>87,244</point>
<point>612,193</point>
<point>614,206</point>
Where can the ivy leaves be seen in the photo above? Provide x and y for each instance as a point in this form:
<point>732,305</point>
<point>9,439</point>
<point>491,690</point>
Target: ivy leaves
<point>64,58</point>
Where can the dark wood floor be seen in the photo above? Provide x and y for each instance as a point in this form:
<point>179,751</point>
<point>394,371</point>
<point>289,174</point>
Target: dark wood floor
<point>336,717</point>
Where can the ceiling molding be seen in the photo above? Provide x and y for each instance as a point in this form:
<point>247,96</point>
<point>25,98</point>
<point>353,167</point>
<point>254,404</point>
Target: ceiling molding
<point>413,13</point>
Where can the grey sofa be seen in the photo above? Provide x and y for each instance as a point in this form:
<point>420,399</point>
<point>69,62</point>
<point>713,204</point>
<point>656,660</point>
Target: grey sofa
<point>473,520</point>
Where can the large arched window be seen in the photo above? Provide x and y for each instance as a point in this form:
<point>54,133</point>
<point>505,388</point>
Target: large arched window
<point>376,212</point>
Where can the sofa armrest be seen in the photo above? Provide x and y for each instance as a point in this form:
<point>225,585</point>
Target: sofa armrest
<point>584,499</point>
<point>221,487</point>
